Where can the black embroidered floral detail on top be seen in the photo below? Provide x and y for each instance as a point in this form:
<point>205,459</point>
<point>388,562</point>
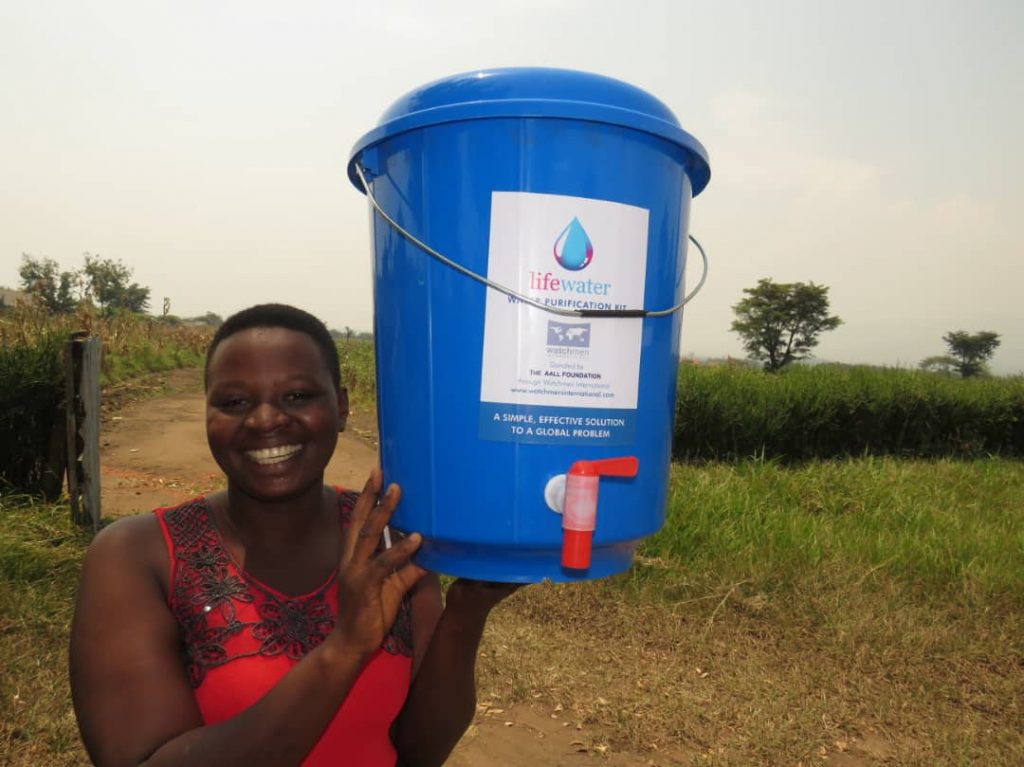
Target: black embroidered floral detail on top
<point>208,588</point>
<point>294,627</point>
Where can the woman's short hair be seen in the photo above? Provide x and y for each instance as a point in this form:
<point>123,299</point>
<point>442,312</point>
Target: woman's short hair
<point>280,316</point>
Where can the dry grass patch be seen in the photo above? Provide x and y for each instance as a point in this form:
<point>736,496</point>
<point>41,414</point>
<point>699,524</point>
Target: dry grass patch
<point>738,678</point>
<point>859,613</point>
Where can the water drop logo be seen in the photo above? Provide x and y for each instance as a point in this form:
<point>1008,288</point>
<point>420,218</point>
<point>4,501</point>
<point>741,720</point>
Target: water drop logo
<point>573,249</point>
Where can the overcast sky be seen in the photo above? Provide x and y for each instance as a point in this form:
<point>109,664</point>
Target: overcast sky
<point>874,147</point>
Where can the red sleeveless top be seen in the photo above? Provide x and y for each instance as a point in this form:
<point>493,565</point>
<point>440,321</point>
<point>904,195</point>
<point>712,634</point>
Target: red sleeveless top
<point>240,636</point>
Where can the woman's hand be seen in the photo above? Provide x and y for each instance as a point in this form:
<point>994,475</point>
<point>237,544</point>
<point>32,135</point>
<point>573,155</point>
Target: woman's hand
<point>371,583</point>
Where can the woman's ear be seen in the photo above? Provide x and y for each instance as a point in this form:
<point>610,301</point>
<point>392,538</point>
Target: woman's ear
<point>342,408</point>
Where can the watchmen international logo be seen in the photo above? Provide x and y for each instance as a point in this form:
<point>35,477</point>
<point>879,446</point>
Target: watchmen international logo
<point>569,334</point>
<point>573,249</point>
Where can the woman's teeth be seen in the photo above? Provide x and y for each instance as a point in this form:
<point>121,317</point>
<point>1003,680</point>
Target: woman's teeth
<point>273,454</point>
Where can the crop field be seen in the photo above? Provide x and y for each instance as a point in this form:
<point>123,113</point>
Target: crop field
<point>733,412</point>
<point>358,371</point>
<point>132,344</point>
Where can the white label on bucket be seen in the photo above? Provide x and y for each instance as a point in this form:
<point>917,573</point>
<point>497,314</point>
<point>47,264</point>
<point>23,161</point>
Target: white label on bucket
<point>554,379</point>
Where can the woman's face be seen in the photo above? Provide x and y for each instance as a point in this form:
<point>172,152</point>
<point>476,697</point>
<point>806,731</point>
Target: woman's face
<point>272,412</point>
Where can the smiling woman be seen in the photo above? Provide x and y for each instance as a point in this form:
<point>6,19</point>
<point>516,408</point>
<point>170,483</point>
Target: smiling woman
<point>269,624</point>
<point>273,411</point>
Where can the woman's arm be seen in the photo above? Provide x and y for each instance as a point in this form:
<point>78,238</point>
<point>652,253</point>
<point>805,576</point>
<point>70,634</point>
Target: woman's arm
<point>442,699</point>
<point>131,695</point>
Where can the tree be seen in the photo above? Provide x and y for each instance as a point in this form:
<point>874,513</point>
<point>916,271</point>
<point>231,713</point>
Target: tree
<point>942,364</point>
<point>971,350</point>
<point>212,319</point>
<point>781,322</point>
<point>43,279</point>
<point>107,280</point>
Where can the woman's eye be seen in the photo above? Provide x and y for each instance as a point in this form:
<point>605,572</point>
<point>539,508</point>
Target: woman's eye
<point>233,404</point>
<point>298,397</point>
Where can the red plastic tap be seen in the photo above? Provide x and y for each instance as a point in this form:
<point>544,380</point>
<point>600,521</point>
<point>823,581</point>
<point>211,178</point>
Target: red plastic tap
<point>579,514</point>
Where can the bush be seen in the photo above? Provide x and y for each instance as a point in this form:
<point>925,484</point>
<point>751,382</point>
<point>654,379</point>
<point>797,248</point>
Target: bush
<point>32,379</point>
<point>733,412</point>
<point>31,395</point>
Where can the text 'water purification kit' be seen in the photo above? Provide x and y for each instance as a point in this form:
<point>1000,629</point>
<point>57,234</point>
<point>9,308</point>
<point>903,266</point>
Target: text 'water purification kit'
<point>530,234</point>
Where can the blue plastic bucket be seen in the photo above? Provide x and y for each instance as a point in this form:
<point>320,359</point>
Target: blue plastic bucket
<point>571,190</point>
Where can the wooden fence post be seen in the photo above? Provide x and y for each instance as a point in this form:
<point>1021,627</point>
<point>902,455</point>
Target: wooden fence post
<point>82,373</point>
<point>73,349</point>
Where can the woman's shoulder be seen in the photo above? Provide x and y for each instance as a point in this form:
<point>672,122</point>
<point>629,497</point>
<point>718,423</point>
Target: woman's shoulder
<point>135,543</point>
<point>128,533</point>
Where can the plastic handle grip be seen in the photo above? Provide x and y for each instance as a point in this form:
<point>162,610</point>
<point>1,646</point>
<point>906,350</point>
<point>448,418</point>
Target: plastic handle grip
<point>627,466</point>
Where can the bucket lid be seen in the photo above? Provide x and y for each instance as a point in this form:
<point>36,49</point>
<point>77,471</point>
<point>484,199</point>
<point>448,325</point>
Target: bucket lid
<point>535,92</point>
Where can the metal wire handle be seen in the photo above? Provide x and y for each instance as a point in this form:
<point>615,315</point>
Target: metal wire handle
<point>519,296</point>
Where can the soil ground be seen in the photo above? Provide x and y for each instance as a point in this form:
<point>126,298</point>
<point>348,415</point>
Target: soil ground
<point>154,453</point>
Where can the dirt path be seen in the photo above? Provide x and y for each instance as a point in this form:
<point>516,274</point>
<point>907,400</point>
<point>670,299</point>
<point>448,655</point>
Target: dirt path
<point>153,453</point>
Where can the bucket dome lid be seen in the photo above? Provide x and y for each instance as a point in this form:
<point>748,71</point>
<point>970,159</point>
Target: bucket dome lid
<point>536,92</point>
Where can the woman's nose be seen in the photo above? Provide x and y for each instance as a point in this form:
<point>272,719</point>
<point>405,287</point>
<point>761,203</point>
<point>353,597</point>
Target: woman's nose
<point>264,417</point>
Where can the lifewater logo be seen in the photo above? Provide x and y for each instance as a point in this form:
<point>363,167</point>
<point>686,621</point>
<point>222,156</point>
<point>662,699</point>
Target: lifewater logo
<point>573,252</point>
<point>573,249</point>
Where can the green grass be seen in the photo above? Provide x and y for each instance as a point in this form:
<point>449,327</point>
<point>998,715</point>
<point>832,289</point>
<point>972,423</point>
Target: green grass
<point>782,613</point>
<point>786,613</point>
<point>40,553</point>
<point>950,529</point>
